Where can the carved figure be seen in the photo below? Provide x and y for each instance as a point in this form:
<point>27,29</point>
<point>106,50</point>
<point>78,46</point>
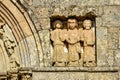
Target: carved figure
<point>58,38</point>
<point>73,39</point>
<point>10,48</point>
<point>88,37</point>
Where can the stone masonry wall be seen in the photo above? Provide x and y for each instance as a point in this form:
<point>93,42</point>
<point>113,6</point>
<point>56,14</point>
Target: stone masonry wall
<point>107,24</point>
<point>107,36</point>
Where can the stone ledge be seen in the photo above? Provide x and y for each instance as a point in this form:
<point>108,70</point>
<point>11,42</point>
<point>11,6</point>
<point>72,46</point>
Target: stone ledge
<point>76,69</point>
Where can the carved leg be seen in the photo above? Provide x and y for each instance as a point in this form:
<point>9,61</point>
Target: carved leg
<point>81,60</point>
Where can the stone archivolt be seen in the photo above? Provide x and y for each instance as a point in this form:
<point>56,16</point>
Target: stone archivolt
<point>15,26</point>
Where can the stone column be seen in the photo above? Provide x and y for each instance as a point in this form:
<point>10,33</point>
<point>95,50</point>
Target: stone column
<point>25,74</point>
<point>3,76</point>
<point>13,75</point>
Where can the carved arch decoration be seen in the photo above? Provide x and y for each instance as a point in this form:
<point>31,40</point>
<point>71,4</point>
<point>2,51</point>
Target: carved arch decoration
<point>16,18</point>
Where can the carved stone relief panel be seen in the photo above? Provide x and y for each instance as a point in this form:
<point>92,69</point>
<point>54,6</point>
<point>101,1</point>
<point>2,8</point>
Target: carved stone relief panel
<point>73,42</point>
<point>9,45</point>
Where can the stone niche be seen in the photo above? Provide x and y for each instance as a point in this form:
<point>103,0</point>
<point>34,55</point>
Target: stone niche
<point>73,41</point>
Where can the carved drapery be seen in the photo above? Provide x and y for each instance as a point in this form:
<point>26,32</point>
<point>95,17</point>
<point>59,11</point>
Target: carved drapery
<point>9,46</point>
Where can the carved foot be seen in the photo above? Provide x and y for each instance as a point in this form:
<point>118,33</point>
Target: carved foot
<point>89,64</point>
<point>73,63</point>
<point>92,63</point>
<point>59,64</point>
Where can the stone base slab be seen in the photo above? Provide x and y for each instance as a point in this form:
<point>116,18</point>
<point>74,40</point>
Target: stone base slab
<point>76,73</point>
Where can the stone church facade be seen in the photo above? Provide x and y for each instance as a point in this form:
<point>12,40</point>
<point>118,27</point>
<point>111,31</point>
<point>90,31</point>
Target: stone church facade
<point>29,40</point>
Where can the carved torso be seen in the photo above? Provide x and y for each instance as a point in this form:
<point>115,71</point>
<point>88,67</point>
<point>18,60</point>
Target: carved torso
<point>88,37</point>
<point>56,36</point>
<point>73,36</point>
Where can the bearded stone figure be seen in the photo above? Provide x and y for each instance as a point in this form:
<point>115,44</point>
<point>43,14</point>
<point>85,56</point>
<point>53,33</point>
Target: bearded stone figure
<point>73,39</point>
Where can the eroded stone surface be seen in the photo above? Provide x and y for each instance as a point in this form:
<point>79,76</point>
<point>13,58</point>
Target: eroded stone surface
<point>34,46</point>
<point>59,76</point>
<point>102,76</point>
<point>111,16</point>
<point>101,46</point>
<point>44,23</point>
<point>45,41</point>
<point>113,37</point>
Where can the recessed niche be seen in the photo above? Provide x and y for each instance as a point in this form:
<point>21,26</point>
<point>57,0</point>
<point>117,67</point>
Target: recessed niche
<point>73,40</point>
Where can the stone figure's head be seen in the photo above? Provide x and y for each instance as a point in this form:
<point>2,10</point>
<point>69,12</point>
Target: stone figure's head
<point>72,23</point>
<point>58,24</point>
<point>87,24</point>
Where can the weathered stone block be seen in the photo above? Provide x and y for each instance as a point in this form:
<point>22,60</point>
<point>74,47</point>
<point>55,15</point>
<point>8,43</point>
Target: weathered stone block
<point>98,22</point>
<point>41,12</point>
<point>32,51</point>
<point>25,60</point>
<point>110,57</point>
<point>29,54</point>
<point>84,2</point>
<point>45,40</point>
<point>57,11</point>
<point>114,2</point>
<point>37,24</point>
<point>45,23</point>
<point>102,76</point>
<point>101,41</point>
<point>117,58</point>
<point>111,16</point>
<point>119,38</point>
<point>39,49</point>
<point>113,37</point>
<point>58,76</point>
<point>102,2</point>
<point>35,3</point>
<point>119,75</point>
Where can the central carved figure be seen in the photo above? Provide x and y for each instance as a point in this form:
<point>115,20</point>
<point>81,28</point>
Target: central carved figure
<point>73,39</point>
